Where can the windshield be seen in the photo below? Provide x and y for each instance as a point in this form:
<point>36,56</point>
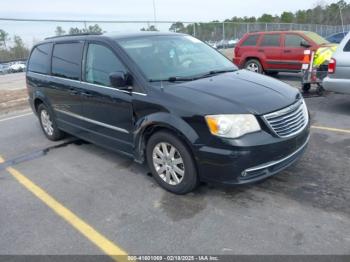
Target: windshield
<point>319,40</point>
<point>179,56</point>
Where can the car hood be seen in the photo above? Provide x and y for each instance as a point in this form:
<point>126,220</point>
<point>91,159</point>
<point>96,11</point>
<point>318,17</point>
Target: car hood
<point>237,92</point>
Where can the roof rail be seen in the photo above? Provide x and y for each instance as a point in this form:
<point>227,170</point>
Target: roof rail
<point>81,34</point>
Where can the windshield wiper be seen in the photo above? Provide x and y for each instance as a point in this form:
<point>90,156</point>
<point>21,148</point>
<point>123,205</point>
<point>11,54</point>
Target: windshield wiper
<point>191,78</point>
<point>173,79</point>
<point>179,79</point>
<point>216,72</point>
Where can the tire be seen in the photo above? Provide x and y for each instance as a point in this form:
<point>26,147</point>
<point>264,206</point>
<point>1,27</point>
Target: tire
<point>48,123</point>
<point>320,89</point>
<point>254,66</point>
<point>181,158</point>
<point>272,74</point>
<point>306,88</point>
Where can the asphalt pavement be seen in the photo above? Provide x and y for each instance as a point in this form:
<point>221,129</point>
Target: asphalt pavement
<point>13,81</point>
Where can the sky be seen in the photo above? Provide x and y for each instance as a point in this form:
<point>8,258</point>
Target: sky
<point>139,10</point>
<point>185,10</point>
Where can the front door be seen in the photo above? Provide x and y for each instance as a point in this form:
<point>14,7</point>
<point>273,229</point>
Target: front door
<point>293,52</point>
<point>107,111</point>
<point>270,48</point>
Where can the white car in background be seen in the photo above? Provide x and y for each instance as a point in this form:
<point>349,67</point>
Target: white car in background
<point>17,67</point>
<point>233,42</point>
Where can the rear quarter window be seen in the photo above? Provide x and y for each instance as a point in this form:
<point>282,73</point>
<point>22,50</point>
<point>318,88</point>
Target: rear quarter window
<point>39,61</point>
<point>66,60</point>
<point>251,40</point>
<point>293,41</point>
<point>347,47</point>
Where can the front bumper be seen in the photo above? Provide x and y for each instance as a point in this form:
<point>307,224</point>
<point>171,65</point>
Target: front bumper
<point>273,167</point>
<point>251,159</point>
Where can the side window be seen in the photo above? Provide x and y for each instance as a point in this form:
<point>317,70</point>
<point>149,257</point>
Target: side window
<point>100,63</point>
<point>271,40</point>
<point>39,61</point>
<point>66,60</point>
<point>347,47</point>
<point>251,40</point>
<point>293,41</point>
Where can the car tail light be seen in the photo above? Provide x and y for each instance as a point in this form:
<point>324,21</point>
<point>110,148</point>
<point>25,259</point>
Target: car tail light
<point>331,66</point>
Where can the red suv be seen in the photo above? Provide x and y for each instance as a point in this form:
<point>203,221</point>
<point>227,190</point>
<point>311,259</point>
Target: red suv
<point>273,52</point>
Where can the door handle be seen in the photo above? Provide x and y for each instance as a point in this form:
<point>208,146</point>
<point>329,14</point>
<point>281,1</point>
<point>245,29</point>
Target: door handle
<point>287,51</point>
<point>261,50</point>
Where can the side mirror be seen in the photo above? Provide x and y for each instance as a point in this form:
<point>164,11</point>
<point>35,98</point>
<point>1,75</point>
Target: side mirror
<point>305,44</point>
<point>120,80</point>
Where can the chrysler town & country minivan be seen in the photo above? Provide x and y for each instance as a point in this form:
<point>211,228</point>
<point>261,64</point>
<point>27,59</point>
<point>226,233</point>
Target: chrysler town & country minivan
<point>169,100</point>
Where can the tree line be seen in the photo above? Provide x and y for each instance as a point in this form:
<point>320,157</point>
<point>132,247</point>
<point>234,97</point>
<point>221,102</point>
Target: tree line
<point>13,48</point>
<point>235,26</point>
<point>91,29</point>
<point>17,50</point>
<point>320,14</point>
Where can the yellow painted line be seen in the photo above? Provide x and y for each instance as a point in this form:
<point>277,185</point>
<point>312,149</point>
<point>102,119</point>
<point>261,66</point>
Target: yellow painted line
<point>331,129</point>
<point>107,246</point>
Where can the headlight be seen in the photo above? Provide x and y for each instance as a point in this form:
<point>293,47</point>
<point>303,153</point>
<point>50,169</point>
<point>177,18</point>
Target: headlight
<point>232,126</point>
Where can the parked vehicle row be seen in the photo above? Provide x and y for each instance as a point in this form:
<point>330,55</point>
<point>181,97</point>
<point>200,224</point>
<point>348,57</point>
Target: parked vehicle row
<point>13,67</point>
<point>171,101</point>
<point>17,67</point>
<point>223,43</point>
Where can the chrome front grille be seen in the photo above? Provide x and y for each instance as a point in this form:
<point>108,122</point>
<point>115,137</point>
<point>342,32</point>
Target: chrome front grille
<point>288,121</point>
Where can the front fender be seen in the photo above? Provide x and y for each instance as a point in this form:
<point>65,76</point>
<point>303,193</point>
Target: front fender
<point>162,120</point>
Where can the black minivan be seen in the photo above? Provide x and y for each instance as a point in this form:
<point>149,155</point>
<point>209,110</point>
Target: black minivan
<point>171,100</point>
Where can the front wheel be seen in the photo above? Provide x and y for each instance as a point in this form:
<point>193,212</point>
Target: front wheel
<point>48,124</point>
<point>254,66</point>
<point>306,87</point>
<point>171,163</point>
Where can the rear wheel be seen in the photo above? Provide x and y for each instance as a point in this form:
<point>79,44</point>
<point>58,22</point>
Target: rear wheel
<point>171,163</point>
<point>306,87</point>
<point>48,124</point>
<point>254,66</point>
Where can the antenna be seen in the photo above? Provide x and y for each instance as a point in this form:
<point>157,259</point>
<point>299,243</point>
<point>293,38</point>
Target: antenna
<point>154,13</point>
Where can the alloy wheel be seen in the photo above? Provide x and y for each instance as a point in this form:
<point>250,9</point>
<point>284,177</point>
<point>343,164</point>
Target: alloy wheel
<point>168,163</point>
<point>253,67</point>
<point>46,122</point>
